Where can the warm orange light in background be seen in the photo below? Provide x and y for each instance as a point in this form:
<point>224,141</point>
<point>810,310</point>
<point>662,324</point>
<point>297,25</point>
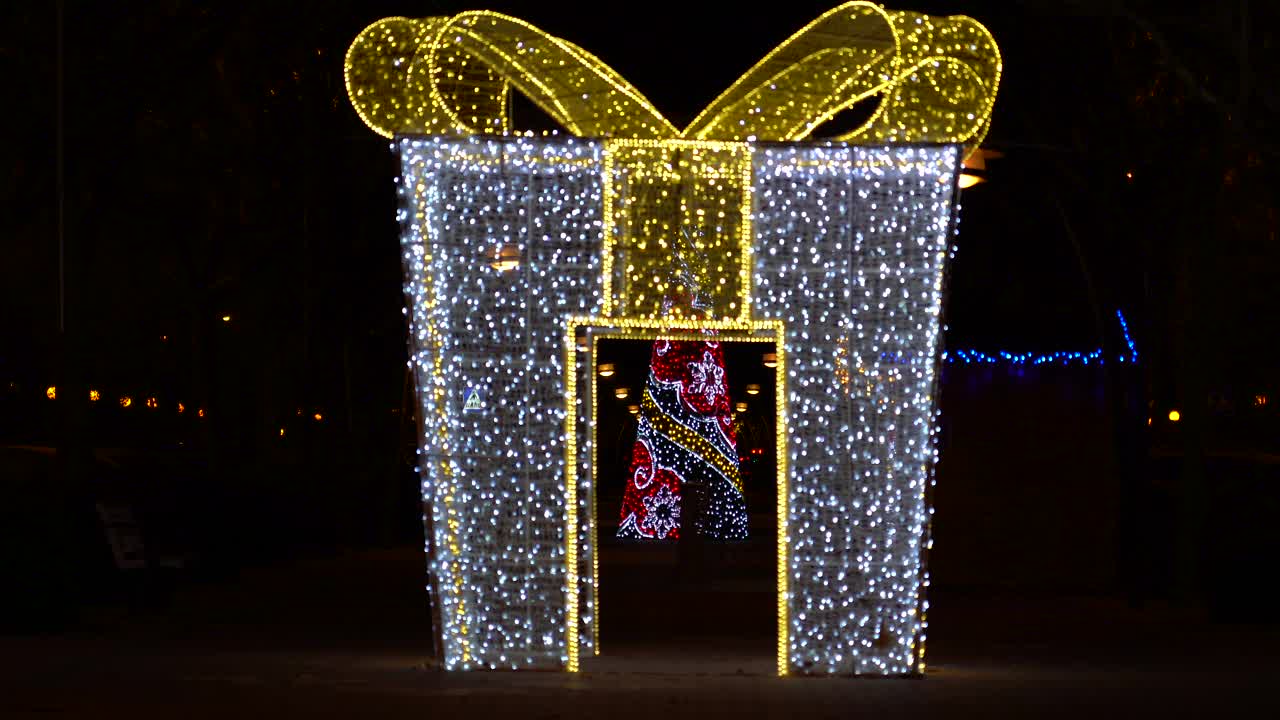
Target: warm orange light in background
<point>226,318</point>
<point>51,392</point>
<point>740,406</point>
<point>1260,400</point>
<point>181,408</point>
<point>606,370</point>
<point>977,162</point>
<point>771,360</point>
<point>152,403</point>
<point>126,401</point>
<point>633,409</point>
<point>621,393</point>
<point>753,389</point>
<point>200,412</point>
<point>1129,175</point>
<point>1174,416</point>
<point>281,432</point>
<point>94,396</point>
<point>318,417</point>
<point>506,258</point>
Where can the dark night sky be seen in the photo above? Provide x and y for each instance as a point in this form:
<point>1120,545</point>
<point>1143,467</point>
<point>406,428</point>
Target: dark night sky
<point>214,167</point>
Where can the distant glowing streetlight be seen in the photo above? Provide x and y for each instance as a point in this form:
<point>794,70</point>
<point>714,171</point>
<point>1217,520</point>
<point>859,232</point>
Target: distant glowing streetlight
<point>318,417</point>
<point>753,389</point>
<point>740,406</point>
<point>506,258</point>
<point>1174,416</point>
<point>771,360</point>
<point>606,370</point>
<point>621,393</point>
<point>974,170</point>
<point>94,395</point>
<point>633,409</point>
<point>51,392</point>
<point>226,318</point>
<point>126,401</point>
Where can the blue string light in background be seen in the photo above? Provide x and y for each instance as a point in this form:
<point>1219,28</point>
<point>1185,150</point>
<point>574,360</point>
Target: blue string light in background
<point>1062,358</point>
<point>1124,328</point>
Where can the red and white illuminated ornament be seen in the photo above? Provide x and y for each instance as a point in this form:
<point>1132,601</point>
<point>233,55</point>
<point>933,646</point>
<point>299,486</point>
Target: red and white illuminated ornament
<point>685,454</point>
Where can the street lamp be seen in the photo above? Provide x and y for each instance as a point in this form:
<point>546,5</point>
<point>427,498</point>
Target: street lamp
<point>975,167</point>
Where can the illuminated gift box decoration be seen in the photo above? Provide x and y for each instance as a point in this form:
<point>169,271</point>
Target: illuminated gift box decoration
<point>520,253</point>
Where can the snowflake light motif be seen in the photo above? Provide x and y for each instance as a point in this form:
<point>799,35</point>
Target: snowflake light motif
<point>708,378</point>
<point>662,512</point>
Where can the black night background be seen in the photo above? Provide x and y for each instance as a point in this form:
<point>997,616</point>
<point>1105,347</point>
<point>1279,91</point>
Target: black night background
<point>198,228</point>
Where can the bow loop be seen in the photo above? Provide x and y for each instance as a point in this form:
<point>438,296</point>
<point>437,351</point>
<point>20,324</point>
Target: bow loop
<point>931,79</point>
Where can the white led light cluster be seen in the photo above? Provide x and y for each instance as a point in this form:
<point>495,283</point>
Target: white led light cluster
<point>851,247</point>
<point>501,242</point>
<point>504,244</point>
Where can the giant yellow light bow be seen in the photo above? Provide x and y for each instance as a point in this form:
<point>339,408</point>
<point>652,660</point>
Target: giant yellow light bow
<point>931,79</point>
<point>935,79</point>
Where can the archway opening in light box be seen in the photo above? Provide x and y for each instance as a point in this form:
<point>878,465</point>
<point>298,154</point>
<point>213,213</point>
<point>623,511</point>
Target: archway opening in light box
<point>696,596</point>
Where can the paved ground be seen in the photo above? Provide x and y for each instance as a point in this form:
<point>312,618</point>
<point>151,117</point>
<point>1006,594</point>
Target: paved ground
<point>346,638</point>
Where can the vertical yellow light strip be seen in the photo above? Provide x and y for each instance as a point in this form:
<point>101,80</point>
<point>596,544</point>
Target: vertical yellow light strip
<point>595,513</point>
<point>780,422</point>
<point>747,227</point>
<point>606,262</point>
<point>571,494</point>
<point>434,341</point>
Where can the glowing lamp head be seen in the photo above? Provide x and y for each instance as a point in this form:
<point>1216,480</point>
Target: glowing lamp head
<point>633,409</point>
<point>740,406</point>
<point>126,402</point>
<point>771,360</point>
<point>968,180</point>
<point>606,370</point>
<point>621,393</point>
<point>94,396</point>
<point>51,392</point>
<point>226,318</point>
<point>1174,416</point>
<point>753,389</point>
